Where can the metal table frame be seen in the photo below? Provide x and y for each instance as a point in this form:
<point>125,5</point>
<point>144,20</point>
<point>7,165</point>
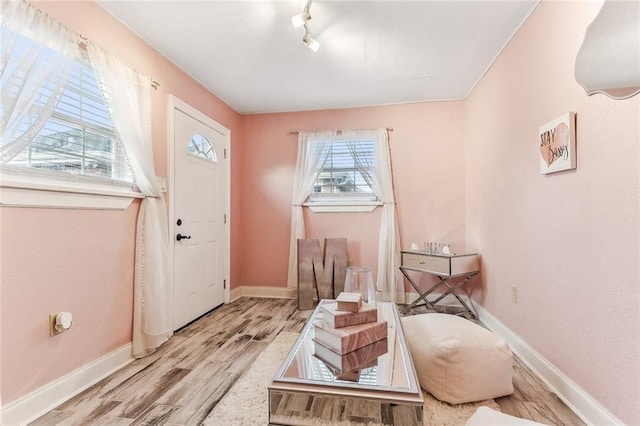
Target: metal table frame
<point>450,288</point>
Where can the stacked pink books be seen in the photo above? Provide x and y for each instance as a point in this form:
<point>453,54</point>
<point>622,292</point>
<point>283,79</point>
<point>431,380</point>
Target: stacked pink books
<point>364,357</point>
<point>348,335</point>
<point>336,318</point>
<point>347,339</point>
<point>349,302</point>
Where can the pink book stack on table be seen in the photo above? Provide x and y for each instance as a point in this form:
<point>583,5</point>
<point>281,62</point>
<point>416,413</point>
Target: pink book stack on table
<point>349,337</point>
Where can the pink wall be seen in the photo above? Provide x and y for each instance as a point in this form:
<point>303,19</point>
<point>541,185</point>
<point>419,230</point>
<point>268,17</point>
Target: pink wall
<point>569,241</point>
<point>82,261</point>
<point>427,155</point>
<point>462,170</point>
<point>71,261</point>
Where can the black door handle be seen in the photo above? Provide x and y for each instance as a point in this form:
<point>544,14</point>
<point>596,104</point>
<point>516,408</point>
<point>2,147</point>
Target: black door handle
<point>183,237</point>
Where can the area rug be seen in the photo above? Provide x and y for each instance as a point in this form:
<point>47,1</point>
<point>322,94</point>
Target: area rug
<point>246,401</point>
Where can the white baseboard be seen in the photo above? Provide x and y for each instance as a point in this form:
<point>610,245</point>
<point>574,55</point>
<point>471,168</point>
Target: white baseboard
<point>260,291</point>
<point>42,400</point>
<point>589,410</point>
<point>585,407</point>
<point>49,396</point>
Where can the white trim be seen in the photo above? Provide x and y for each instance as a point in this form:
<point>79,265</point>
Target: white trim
<point>227,212</point>
<point>579,401</point>
<point>497,55</point>
<point>72,192</point>
<point>260,291</point>
<point>170,184</point>
<point>342,206</point>
<point>23,197</point>
<point>44,399</point>
<point>235,293</point>
<point>173,104</point>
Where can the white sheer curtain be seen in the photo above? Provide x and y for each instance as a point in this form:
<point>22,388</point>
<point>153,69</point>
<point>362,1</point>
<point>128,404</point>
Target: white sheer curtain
<point>363,162</point>
<point>127,95</point>
<point>36,53</point>
<point>389,281</point>
<point>313,148</point>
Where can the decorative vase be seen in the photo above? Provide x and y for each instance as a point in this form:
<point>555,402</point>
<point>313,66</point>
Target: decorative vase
<point>360,280</point>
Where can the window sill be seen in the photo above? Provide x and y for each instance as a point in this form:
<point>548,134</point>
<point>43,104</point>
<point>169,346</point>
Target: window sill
<point>65,195</point>
<point>342,206</point>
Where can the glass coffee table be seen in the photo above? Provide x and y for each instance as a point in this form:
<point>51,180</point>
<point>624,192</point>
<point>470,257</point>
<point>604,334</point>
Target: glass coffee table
<point>385,391</point>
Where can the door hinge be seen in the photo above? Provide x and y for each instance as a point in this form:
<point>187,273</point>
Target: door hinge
<point>224,283</point>
<point>225,153</point>
<point>225,218</point>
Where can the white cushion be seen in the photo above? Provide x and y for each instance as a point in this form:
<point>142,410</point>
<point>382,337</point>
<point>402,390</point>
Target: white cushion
<point>456,360</point>
<point>487,416</point>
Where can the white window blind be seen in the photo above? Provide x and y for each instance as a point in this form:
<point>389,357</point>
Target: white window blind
<point>78,141</point>
<point>346,172</point>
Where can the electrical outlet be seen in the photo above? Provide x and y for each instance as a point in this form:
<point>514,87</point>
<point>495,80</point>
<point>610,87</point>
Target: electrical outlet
<point>514,294</point>
<point>59,322</point>
<point>53,331</point>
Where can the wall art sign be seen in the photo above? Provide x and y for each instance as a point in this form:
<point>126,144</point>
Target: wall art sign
<point>558,144</point>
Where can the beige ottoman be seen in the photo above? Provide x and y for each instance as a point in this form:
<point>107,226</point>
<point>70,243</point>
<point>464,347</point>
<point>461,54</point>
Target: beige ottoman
<point>485,416</point>
<point>456,360</point>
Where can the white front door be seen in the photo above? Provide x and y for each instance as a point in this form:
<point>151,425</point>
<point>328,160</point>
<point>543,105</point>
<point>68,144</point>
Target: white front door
<point>198,216</point>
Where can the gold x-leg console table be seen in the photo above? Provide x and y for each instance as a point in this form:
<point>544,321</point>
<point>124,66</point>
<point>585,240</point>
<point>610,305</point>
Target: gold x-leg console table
<point>444,267</point>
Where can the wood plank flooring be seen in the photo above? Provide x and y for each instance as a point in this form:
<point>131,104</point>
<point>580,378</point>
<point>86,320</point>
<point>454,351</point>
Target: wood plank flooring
<point>182,382</point>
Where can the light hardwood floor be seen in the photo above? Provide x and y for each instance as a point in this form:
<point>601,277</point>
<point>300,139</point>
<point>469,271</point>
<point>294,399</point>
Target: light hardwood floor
<point>183,381</point>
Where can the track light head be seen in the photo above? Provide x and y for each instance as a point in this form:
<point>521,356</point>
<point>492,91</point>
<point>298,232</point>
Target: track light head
<point>300,19</point>
<point>311,43</point>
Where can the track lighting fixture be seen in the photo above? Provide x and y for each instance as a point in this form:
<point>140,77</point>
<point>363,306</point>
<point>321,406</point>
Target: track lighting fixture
<point>310,42</point>
<point>300,20</point>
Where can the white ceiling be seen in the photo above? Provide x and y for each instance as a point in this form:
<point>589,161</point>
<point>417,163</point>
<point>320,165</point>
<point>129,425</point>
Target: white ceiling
<point>371,52</point>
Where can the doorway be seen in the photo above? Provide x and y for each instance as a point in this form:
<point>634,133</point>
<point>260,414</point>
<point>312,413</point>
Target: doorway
<point>198,194</point>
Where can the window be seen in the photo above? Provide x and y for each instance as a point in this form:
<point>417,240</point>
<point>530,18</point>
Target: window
<point>58,145</point>
<point>78,138</point>
<point>200,146</point>
<point>318,165</point>
<point>345,176</point>
<point>347,169</point>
